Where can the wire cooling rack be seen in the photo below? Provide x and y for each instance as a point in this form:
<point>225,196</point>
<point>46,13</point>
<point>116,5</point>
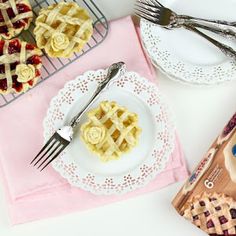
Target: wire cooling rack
<point>51,65</point>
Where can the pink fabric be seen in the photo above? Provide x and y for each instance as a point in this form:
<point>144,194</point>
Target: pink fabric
<point>33,195</point>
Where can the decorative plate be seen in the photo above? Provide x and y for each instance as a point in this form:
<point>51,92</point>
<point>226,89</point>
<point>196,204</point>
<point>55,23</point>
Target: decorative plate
<point>136,168</point>
<point>185,56</point>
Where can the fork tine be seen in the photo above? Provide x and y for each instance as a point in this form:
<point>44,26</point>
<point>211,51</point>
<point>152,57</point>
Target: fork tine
<point>147,10</point>
<point>48,149</point>
<point>150,2</point>
<point>147,16</point>
<point>157,2</point>
<point>52,159</point>
<point>51,153</point>
<point>43,148</point>
<point>142,4</point>
<point>144,17</point>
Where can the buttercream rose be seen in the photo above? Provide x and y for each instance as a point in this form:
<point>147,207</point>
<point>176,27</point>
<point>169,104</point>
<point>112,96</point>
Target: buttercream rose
<point>25,72</point>
<point>59,41</point>
<point>94,134</point>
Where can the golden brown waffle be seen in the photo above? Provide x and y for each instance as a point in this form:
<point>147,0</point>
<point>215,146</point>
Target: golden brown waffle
<point>63,29</point>
<point>111,130</point>
<point>214,213</point>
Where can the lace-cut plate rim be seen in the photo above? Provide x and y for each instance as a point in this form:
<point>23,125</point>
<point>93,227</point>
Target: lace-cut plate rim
<point>184,56</point>
<point>133,170</point>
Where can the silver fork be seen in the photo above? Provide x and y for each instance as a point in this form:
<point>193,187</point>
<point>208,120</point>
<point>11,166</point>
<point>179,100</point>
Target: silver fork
<point>63,136</point>
<point>217,22</point>
<point>153,11</point>
<point>224,28</point>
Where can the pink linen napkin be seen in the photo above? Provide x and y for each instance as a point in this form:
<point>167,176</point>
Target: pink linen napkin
<point>33,195</point>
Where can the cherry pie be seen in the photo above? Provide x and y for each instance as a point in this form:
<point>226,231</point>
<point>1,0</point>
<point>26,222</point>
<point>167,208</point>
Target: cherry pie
<point>15,15</point>
<point>212,212</point>
<point>19,66</point>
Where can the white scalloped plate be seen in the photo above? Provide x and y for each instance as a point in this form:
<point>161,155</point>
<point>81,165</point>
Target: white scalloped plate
<point>185,56</point>
<point>83,168</point>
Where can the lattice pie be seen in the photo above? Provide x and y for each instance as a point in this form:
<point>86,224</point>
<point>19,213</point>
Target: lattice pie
<point>111,130</point>
<point>214,213</point>
<point>63,29</point>
<point>15,16</point>
<point>19,66</point>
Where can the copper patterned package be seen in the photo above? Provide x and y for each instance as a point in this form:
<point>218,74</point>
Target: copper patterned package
<point>208,198</point>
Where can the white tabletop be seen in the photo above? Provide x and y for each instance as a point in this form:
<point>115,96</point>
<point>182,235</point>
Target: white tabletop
<point>201,113</point>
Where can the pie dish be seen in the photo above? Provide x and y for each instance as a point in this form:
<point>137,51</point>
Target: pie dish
<point>212,212</point>
<point>63,29</point>
<point>15,16</point>
<point>110,131</point>
<point>19,67</point>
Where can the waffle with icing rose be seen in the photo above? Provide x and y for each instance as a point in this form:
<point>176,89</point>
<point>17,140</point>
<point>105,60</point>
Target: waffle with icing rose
<point>20,64</point>
<point>15,16</point>
<point>63,29</point>
<point>212,212</point>
<point>110,131</point>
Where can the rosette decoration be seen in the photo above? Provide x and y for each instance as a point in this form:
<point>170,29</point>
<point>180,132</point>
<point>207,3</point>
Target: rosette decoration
<point>110,131</point>
<point>63,29</point>
<point>20,64</point>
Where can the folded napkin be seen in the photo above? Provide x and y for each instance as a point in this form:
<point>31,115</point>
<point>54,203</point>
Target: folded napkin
<point>33,195</point>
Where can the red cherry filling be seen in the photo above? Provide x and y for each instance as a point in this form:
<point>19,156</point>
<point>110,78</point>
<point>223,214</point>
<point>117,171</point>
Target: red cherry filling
<point>210,224</point>
<point>37,73</point>
<point>207,213</point>
<point>15,47</point>
<point>34,60</point>
<point>2,69</point>
<point>223,220</point>
<point>3,30</point>
<point>31,82</point>
<point>202,203</point>
<point>2,42</point>
<point>3,84</point>
<point>18,24</point>
<point>233,213</point>
<point>13,65</point>
<point>22,8</point>
<point>30,46</point>
<point>15,84</point>
<point>226,233</point>
<point>230,126</point>
<point>10,13</point>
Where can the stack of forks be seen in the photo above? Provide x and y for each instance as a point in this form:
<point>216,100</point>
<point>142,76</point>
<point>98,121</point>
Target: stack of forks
<point>155,12</point>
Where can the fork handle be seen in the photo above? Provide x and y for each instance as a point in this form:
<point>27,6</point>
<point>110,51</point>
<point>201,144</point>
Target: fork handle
<point>228,51</point>
<point>114,71</point>
<point>197,19</point>
<point>228,33</point>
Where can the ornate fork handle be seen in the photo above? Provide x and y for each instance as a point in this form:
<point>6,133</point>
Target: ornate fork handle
<point>115,70</point>
<point>228,51</point>
<point>224,32</point>
<point>217,22</point>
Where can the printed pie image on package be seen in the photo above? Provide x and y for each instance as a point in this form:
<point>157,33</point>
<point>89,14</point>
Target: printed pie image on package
<point>208,198</point>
